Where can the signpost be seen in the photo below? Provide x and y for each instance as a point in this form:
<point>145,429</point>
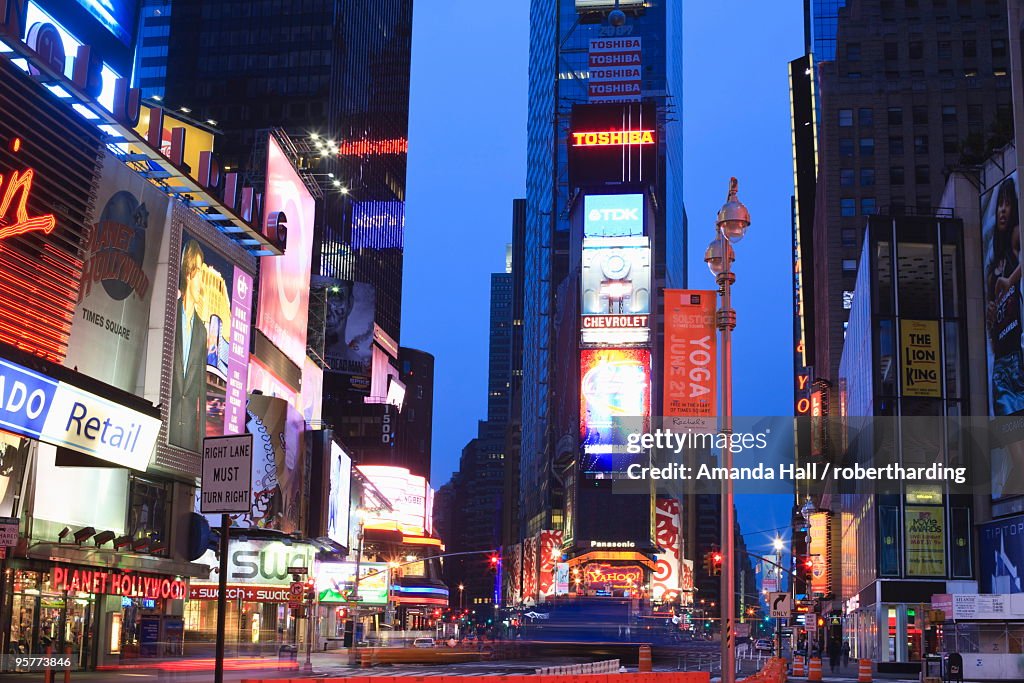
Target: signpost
<point>780,605</point>
<point>226,488</point>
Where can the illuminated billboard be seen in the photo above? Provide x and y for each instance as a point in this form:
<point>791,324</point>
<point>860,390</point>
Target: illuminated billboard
<point>378,224</point>
<point>111,328</point>
<point>406,494</point>
<point>284,280</point>
<point>615,68</point>
<point>338,503</point>
<point>335,582</point>
<point>615,384</point>
<point>613,215</point>
<point>117,16</point>
<point>615,282</point>
<point>106,26</point>
<point>819,532</point>
<point>348,327</point>
<point>211,346</point>
<point>612,144</point>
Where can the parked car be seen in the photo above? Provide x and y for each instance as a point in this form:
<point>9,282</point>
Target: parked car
<point>764,645</point>
<point>424,642</point>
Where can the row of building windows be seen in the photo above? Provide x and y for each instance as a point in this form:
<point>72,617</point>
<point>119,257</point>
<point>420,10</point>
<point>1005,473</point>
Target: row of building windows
<point>968,72</point>
<point>848,206</point>
<point>919,115</point>
<point>944,49</point>
<point>866,146</point>
<point>897,176</point>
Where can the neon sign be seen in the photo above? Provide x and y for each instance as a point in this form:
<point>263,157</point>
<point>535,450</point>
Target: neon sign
<point>612,577</point>
<point>613,137</point>
<point>23,223</point>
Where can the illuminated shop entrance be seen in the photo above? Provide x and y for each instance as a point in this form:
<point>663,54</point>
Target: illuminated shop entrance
<point>40,615</point>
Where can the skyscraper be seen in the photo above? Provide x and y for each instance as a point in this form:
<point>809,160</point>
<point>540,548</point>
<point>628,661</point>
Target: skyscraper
<point>559,77</point>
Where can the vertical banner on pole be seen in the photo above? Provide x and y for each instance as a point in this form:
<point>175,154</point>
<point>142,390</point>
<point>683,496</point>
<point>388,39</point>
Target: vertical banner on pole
<point>690,358</point>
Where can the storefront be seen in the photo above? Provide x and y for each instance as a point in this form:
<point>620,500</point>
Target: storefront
<point>335,587</point>
<point>97,615</point>
<point>258,618</point>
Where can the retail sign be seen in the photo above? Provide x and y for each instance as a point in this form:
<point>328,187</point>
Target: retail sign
<point>227,474</point>
<point>8,532</point>
<point>920,371</point>
<point>19,222</point>
<point>615,322</point>
<point>335,582</point>
<point>39,407</point>
<point>615,69</point>
<point>1001,565</point>
<point>114,582</point>
<point>605,138</point>
<point>245,592</point>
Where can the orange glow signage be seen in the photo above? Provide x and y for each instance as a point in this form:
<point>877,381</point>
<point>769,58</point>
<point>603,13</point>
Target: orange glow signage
<point>607,577</point>
<point>368,147</point>
<point>20,184</point>
<point>613,137</point>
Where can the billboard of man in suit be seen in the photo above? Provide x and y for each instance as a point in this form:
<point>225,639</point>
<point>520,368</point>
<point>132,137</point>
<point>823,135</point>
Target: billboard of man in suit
<point>187,424</point>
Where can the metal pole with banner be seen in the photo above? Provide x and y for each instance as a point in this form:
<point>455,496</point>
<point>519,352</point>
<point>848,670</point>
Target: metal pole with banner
<point>226,488</point>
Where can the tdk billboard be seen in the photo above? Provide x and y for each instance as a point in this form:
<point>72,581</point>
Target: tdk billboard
<point>613,215</point>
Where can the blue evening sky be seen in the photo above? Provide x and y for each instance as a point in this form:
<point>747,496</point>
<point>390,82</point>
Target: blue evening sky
<point>467,161</point>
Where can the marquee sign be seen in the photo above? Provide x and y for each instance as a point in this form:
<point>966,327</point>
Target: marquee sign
<point>607,577</point>
<point>115,582</point>
<point>612,137</point>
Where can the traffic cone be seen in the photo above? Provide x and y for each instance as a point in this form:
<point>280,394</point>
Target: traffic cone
<point>814,670</point>
<point>864,671</point>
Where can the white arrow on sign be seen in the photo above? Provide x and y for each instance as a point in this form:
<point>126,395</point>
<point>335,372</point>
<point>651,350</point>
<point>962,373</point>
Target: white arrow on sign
<point>779,605</point>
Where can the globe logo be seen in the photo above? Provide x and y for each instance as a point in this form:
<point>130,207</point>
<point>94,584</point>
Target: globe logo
<point>119,247</point>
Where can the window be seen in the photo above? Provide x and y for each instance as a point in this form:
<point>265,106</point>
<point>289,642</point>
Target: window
<point>920,115</point>
<point>847,207</point>
<point>920,144</point>
<point>853,52</point>
<point>849,237</point>
<point>921,175</point>
<point>868,206</point>
<point>849,264</point>
<point>853,74</point>
<point>945,49</point>
<point>970,48</point>
<point>845,117</point>
<point>895,117</point>
<point>867,147</point>
<point>896,175</point>
<point>846,177</point>
<point>846,147</point>
<point>891,51</point>
<point>998,47</point>
<point>866,116</point>
<point>896,145</point>
<point>867,177</point>
<point>950,143</point>
<point>916,49</point>
<point>949,113</point>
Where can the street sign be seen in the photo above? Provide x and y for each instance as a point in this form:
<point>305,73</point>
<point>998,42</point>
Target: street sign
<point>227,474</point>
<point>779,605</point>
<point>8,531</point>
<point>741,630</point>
<point>295,594</point>
<point>297,570</point>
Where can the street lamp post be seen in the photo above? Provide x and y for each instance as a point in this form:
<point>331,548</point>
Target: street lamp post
<point>778,544</point>
<point>352,655</point>
<point>730,226</point>
<point>461,588</point>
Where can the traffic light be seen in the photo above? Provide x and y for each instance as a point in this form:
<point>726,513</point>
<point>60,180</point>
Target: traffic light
<point>494,561</point>
<point>807,566</point>
<point>707,563</point>
<point>310,590</point>
<point>716,563</point>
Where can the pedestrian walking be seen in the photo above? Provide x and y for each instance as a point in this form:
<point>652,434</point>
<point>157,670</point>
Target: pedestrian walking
<point>846,654</point>
<point>833,655</point>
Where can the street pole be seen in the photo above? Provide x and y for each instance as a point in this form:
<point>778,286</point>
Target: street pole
<point>222,602</point>
<point>731,224</point>
<point>778,622</point>
<point>352,658</point>
<point>311,599</point>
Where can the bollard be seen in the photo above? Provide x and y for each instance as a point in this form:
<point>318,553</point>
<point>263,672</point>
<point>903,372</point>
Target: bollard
<point>67,664</point>
<point>644,664</point>
<point>814,670</point>
<point>47,671</point>
<point>864,671</point>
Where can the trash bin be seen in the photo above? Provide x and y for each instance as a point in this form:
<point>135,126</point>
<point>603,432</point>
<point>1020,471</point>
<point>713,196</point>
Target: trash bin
<point>931,669</point>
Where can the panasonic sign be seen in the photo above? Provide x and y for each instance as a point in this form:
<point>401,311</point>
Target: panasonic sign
<point>39,407</point>
<point>613,215</point>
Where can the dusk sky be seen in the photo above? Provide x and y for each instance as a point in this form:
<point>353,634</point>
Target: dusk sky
<point>467,162</point>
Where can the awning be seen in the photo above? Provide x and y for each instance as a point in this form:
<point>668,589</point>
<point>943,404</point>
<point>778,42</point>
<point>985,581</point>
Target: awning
<point>101,557</point>
<point>612,556</point>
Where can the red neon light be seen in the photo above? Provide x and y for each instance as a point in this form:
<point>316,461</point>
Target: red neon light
<point>613,137</point>
<point>24,224</point>
<point>363,147</point>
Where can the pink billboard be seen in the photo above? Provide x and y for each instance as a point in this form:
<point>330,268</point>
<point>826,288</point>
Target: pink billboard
<point>284,280</point>
<point>665,582</point>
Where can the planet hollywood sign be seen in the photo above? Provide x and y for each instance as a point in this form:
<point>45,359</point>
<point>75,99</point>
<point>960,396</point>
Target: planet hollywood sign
<point>114,582</point>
